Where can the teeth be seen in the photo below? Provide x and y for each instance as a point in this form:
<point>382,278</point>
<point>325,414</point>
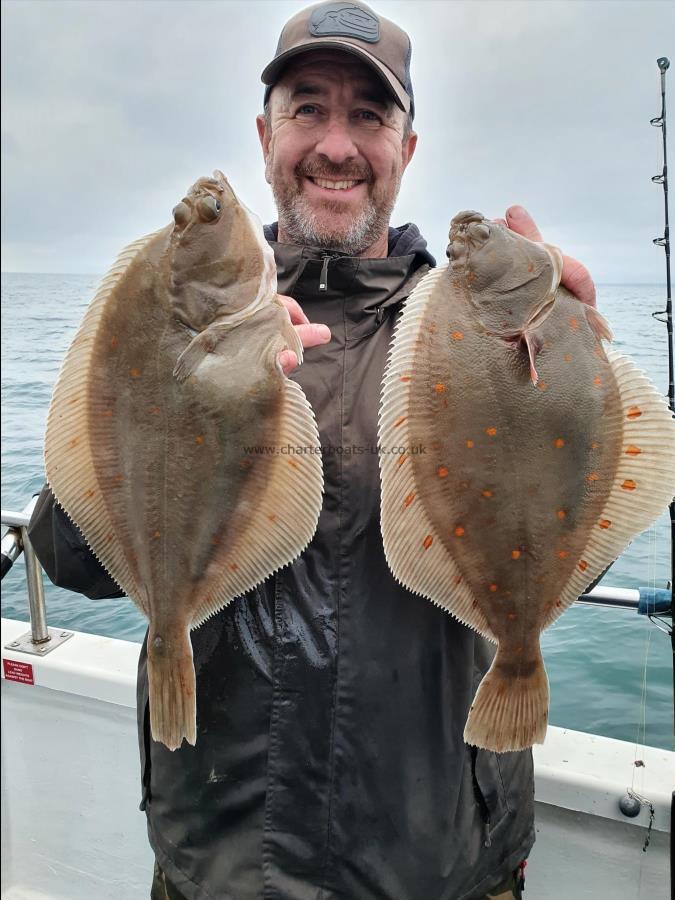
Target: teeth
<point>334,185</point>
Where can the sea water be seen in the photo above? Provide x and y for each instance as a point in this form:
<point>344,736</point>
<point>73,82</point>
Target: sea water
<point>610,670</point>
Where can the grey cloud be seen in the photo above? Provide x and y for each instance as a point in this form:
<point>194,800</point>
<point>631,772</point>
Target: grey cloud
<point>111,109</point>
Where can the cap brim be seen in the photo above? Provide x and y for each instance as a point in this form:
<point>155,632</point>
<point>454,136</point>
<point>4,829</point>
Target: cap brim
<point>272,72</point>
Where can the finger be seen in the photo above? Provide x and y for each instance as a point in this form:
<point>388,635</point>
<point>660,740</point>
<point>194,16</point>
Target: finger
<point>288,361</point>
<point>312,335</point>
<point>500,222</point>
<point>520,221</point>
<point>577,279</point>
<point>295,310</point>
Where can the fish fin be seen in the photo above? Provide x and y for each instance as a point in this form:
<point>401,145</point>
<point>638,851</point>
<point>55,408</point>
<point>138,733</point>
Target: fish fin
<point>69,463</point>
<point>198,349</point>
<point>172,689</point>
<point>284,520</point>
<point>598,324</point>
<point>510,710</point>
<point>644,481</point>
<point>421,564</point>
<point>533,343</point>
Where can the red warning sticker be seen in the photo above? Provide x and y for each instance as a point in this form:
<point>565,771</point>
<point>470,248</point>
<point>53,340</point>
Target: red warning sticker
<point>18,671</point>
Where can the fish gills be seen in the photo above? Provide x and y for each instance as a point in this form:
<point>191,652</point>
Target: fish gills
<point>544,455</point>
<point>169,388</point>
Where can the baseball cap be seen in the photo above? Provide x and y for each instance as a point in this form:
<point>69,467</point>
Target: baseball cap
<point>352,28</point>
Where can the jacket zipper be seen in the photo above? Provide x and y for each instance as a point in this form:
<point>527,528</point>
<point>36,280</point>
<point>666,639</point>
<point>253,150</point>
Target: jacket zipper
<point>323,278</point>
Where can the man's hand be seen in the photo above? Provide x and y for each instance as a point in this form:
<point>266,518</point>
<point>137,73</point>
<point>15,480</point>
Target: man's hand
<point>310,334</point>
<point>575,277</point>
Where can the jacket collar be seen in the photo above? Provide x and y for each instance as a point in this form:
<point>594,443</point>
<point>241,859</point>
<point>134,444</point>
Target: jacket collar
<point>367,286</point>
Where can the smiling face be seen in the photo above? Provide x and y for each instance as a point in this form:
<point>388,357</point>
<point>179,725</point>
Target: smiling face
<point>335,150</point>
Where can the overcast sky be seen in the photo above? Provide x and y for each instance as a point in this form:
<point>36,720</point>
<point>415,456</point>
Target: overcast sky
<point>111,109</point>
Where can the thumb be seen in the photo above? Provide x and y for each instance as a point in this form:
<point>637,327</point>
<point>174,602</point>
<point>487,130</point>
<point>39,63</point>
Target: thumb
<point>519,220</point>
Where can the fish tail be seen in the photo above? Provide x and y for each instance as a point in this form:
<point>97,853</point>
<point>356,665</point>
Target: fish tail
<point>510,709</point>
<point>171,684</point>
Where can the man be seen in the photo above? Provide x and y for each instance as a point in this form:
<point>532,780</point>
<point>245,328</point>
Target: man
<point>330,761</point>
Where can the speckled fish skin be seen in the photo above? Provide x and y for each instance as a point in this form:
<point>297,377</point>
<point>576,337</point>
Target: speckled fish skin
<point>544,455</point>
<point>171,377</point>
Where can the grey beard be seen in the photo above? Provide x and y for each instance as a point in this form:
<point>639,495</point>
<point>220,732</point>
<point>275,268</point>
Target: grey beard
<point>300,223</point>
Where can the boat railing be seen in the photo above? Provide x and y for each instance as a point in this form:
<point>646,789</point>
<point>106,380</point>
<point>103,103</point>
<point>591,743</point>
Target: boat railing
<point>40,640</point>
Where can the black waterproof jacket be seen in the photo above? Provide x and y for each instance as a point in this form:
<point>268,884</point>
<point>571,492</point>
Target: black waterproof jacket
<point>331,702</point>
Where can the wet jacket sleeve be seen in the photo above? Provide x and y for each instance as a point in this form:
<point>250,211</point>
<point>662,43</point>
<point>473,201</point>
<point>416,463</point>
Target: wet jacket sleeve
<point>64,554</point>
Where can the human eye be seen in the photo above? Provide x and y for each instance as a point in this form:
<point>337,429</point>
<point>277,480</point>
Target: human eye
<point>306,109</point>
<point>368,115</point>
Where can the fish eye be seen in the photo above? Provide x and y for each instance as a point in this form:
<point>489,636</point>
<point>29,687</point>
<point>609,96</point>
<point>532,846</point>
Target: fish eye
<point>208,208</point>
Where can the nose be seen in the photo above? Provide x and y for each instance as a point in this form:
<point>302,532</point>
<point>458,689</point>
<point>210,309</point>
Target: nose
<point>336,143</point>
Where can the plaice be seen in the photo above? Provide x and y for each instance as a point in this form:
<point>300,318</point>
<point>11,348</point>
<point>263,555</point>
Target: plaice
<point>165,432</point>
<point>544,455</point>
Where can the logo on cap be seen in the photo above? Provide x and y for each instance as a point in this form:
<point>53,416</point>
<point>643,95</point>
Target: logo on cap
<point>345,20</point>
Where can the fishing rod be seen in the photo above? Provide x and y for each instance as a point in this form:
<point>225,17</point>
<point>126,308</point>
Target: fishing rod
<point>666,315</point>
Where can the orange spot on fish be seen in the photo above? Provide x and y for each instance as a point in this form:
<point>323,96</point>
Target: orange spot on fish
<point>114,341</point>
<point>427,542</point>
<point>215,541</point>
<point>272,517</point>
<point>199,439</point>
<point>402,458</point>
<point>542,385</point>
<point>471,276</point>
<point>89,493</point>
<point>155,535</point>
<point>574,323</point>
<point>515,554</point>
<point>487,493</point>
<point>399,421</point>
<point>561,514</point>
<point>562,554</point>
<point>458,580</point>
<point>439,388</point>
<point>75,441</point>
<point>597,380</point>
<point>629,485</point>
<point>567,357</point>
<point>118,478</point>
<point>469,444</point>
<point>604,523</point>
<point>459,531</point>
<point>511,616</point>
<point>73,399</point>
<point>634,412</point>
<point>293,463</point>
<point>519,649</point>
<point>530,267</point>
<point>233,567</point>
<point>474,604</point>
<point>558,602</point>
<point>134,372</point>
<point>595,445</point>
<point>245,464</point>
<point>583,565</point>
<point>442,472</point>
<point>107,413</point>
<point>558,442</point>
<point>405,377</point>
<point>633,451</point>
<point>109,536</point>
<point>408,500</point>
<point>493,588</point>
<point>592,477</point>
<point>457,336</point>
<point>491,432</point>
